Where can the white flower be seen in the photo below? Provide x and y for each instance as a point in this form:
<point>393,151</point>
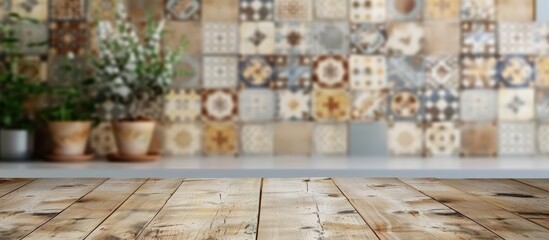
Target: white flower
<point>122,91</point>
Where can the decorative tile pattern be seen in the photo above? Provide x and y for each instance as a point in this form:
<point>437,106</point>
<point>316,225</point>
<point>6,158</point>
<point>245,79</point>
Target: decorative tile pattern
<point>330,9</point>
<point>182,105</point>
<point>406,72</point>
<point>369,105</point>
<point>102,9</point>
<point>293,139</point>
<point>331,37</point>
<point>368,72</point>
<point>294,105</point>
<point>330,139</point>
<point>478,105</point>
<point>441,38</point>
<point>102,139</point>
<point>515,72</point>
<point>330,72</point>
<point>543,139</point>
<point>442,9</point>
<point>293,10</point>
<point>542,105</point>
<point>257,38</point>
<point>516,38</point>
<point>442,139</point>
<point>192,66</point>
<point>478,9</point>
<point>256,105</point>
<point>479,72</point>
<point>293,38</point>
<point>541,38</point>
<point>399,10</point>
<point>405,38</point>
<point>478,38</point>
<point>517,139</point>
<point>219,105</point>
<point>182,139</point>
<point>184,9</point>
<point>219,38</point>
<point>368,38</point>
<point>37,9</point>
<point>220,10</point>
<point>368,10</point>
<point>405,105</point>
<point>516,104</point>
<point>67,9</point>
<point>33,67</point>
<point>331,105</point>
<point>368,140</point>
<point>516,10</point>
<point>441,105</point>
<point>256,10</point>
<point>220,139</point>
<point>292,72</point>
<point>542,71</point>
<point>479,140</point>
<point>442,72</point>
<point>405,139</point>
<point>257,139</point>
<point>220,72</point>
<point>68,37</point>
<point>256,71</point>
<point>141,10</point>
<point>30,34</point>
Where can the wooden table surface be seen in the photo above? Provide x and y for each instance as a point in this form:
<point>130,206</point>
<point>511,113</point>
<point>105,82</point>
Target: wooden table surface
<point>307,208</point>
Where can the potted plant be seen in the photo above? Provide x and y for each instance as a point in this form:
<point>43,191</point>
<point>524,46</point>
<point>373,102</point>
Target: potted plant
<point>132,72</point>
<point>70,113</point>
<point>16,92</point>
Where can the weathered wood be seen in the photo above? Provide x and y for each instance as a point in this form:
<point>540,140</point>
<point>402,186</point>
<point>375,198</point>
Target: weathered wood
<point>539,183</point>
<point>209,209</point>
<point>28,207</point>
<point>82,217</point>
<point>10,185</point>
<point>500,221</point>
<point>541,221</point>
<point>395,210</point>
<point>526,201</point>
<point>133,216</point>
<point>308,209</point>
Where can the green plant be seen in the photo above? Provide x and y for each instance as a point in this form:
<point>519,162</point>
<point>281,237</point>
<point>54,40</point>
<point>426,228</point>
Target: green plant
<point>15,89</point>
<point>133,71</point>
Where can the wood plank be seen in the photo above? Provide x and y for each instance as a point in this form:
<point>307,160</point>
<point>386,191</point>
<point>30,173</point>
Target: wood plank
<point>81,218</point>
<point>539,183</point>
<point>209,209</point>
<point>500,221</point>
<point>10,185</point>
<point>395,210</point>
<point>541,221</point>
<point>308,209</point>
<point>526,201</point>
<point>133,216</point>
<point>28,207</point>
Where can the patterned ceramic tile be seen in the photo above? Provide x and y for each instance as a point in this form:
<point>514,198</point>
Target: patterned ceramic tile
<point>219,38</point>
<point>331,37</point>
<point>479,72</point>
<point>220,139</point>
<point>368,140</point>
<point>368,72</point>
<point>478,38</point>
<point>405,10</point>
<point>256,105</point>
<point>330,72</point>
<point>541,38</point>
<point>220,10</point>
<point>181,105</point>
<point>405,105</point>
<point>442,72</point>
<point>219,105</point>
<point>220,72</point>
<point>478,9</point>
<point>405,38</point>
<point>58,75</point>
<point>441,105</point>
<point>68,36</point>
<point>515,72</point>
<point>256,10</point>
<point>293,139</point>
<point>516,104</point>
<point>33,67</point>
<point>192,69</point>
<point>176,32</point>
<point>369,105</point>
<point>102,9</point>
<point>543,139</point>
<point>293,38</point>
<point>256,71</point>
<point>294,105</point>
<point>368,11</point>
<point>479,140</point>
<point>517,138</point>
<point>368,38</point>
<point>67,9</point>
<point>405,139</point>
<point>37,9</point>
<point>478,105</point>
<point>441,38</point>
<point>331,105</point>
<point>110,111</point>
<point>442,9</point>
<point>330,9</point>
<point>516,38</point>
<point>293,10</point>
<point>442,139</point>
<point>542,71</point>
<point>141,10</point>
<point>102,139</point>
<point>542,105</point>
<point>257,139</point>
<point>184,9</point>
<point>292,72</point>
<point>30,34</point>
<point>330,139</point>
<point>257,38</point>
<point>182,139</point>
<point>406,72</point>
<point>515,10</point>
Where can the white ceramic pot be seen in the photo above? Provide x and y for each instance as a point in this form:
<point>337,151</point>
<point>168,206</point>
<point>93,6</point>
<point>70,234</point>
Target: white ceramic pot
<point>133,138</point>
<point>69,138</point>
<point>14,144</point>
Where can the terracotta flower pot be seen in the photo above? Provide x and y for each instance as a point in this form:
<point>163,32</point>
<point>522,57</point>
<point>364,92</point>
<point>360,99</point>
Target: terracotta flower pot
<point>69,138</point>
<point>133,138</point>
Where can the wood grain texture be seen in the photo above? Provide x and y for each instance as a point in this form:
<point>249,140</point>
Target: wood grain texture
<point>81,218</point>
<point>539,183</point>
<point>29,207</point>
<point>522,199</point>
<point>133,216</point>
<point>308,209</point>
<point>498,220</point>
<point>209,209</point>
<point>9,185</point>
<point>395,210</point>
